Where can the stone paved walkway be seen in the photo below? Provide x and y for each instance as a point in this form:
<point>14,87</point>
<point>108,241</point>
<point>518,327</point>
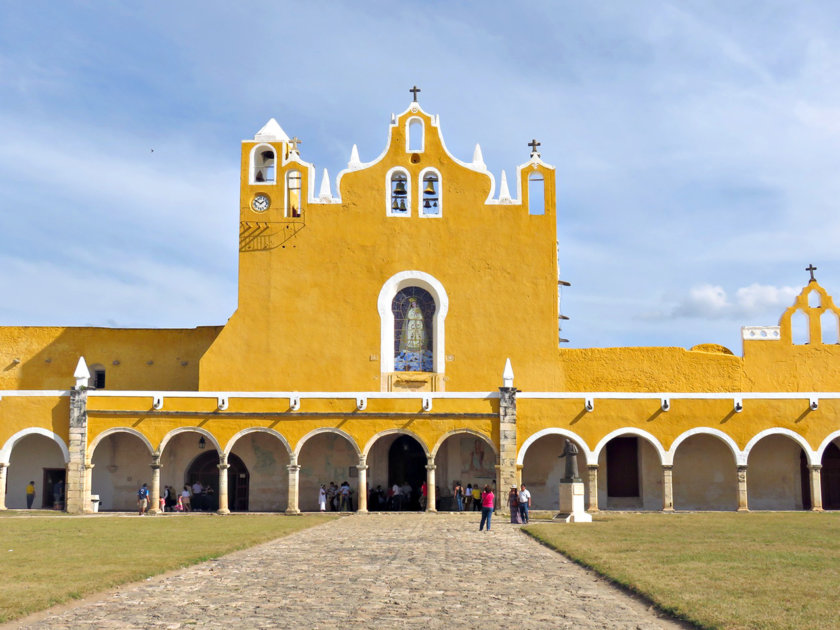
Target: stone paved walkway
<point>374,571</point>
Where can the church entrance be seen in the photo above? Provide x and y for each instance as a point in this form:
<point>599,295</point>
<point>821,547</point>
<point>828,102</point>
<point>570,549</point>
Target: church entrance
<point>407,465</point>
<point>205,469</point>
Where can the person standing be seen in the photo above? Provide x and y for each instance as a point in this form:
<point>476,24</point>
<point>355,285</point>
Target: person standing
<point>459,496</point>
<point>58,494</point>
<point>322,498</point>
<point>423,497</point>
<point>513,503</point>
<point>488,500</point>
<point>524,503</point>
<point>142,499</point>
<point>30,494</point>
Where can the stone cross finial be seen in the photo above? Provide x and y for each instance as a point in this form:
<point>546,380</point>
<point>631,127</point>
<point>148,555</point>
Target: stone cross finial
<point>414,91</point>
<point>295,142</point>
<point>534,144</point>
<point>812,269</point>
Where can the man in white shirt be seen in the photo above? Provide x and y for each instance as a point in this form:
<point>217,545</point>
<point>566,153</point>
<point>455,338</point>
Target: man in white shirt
<point>197,489</point>
<point>524,503</point>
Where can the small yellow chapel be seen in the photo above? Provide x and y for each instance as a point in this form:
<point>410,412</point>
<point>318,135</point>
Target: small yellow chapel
<point>451,371</point>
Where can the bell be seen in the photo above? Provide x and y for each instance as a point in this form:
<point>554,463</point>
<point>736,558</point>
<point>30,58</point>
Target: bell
<point>400,189</point>
<point>259,177</point>
<point>426,204</point>
<point>267,155</point>
<point>430,187</point>
<point>395,205</point>
<point>402,205</point>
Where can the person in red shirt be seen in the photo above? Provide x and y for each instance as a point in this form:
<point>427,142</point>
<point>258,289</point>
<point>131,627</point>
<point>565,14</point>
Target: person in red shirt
<point>488,501</point>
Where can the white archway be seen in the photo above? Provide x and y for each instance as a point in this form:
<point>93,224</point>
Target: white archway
<point>112,431</point>
<point>168,437</point>
<point>627,431</point>
<point>382,434</point>
<point>813,457</point>
<point>6,451</point>
<point>321,430</point>
<point>232,441</point>
<point>455,432</point>
<point>590,459</point>
<point>740,458</point>
<point>818,455</point>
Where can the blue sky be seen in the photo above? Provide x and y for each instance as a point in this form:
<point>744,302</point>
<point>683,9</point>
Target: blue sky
<point>697,145</point>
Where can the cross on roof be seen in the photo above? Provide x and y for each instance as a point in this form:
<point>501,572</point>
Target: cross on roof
<point>295,142</point>
<point>414,91</point>
<point>534,144</point>
<point>812,269</point>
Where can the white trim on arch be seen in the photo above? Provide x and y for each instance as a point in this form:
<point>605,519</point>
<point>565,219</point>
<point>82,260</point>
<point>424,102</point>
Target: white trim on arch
<point>252,165</point>
<point>392,286</point>
<point>233,440</point>
<point>420,195</point>
<point>409,122</point>
<point>627,431</point>
<point>6,451</point>
<point>389,211</point>
<point>319,431</point>
<point>818,455</point>
<point>740,458</point>
<point>809,452</point>
<point>455,432</point>
<point>590,461</point>
<point>381,434</point>
<point>113,430</point>
<point>204,432</point>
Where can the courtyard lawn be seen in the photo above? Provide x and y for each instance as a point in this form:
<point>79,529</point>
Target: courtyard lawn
<point>49,559</point>
<point>718,570</point>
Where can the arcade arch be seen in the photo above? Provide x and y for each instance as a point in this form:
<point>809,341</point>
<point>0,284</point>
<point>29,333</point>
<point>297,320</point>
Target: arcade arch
<point>37,455</point>
<point>325,455</point>
<point>396,456</point>
<point>778,477</point>
<point>463,456</point>
<point>121,459</point>
<point>265,456</point>
<point>543,469</point>
<point>630,470</point>
<point>705,474</point>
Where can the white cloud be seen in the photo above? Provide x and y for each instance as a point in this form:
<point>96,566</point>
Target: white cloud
<point>712,302</point>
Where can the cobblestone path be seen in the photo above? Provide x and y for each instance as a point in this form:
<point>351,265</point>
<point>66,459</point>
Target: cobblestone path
<point>374,571</point>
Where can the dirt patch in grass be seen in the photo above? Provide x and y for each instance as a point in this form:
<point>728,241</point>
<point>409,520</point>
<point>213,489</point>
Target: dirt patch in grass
<point>47,560</point>
<point>718,570</point>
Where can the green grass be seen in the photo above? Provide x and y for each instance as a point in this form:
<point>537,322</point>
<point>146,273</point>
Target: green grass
<point>718,570</point>
<point>46,560</point>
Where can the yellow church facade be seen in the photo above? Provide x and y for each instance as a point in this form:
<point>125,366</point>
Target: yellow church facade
<point>404,329</point>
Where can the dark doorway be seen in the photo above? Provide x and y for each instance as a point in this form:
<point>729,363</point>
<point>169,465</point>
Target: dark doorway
<point>53,497</point>
<point>805,477</point>
<point>205,469</point>
<point>623,467</point>
<point>831,477</point>
<point>407,463</point>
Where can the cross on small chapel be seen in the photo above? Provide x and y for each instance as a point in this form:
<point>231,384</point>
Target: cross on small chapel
<point>812,269</point>
<point>534,144</point>
<point>295,142</point>
<point>414,91</point>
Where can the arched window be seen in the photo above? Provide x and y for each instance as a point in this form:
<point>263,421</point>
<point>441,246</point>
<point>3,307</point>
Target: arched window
<point>293,196</point>
<point>399,193</point>
<point>536,193</point>
<point>430,206</point>
<point>800,328</point>
<point>262,165</point>
<point>414,141</point>
<point>414,311</point>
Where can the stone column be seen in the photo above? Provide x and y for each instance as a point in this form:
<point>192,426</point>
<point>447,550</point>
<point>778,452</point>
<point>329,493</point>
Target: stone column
<point>593,488</point>
<point>294,479</point>
<point>743,505</point>
<point>89,485</point>
<point>223,486</point>
<point>155,492</point>
<point>77,496</point>
<point>431,494</point>
<point>507,475</point>
<point>816,487</point>
<point>667,488</point>
<point>3,468</point>
<point>361,504</point>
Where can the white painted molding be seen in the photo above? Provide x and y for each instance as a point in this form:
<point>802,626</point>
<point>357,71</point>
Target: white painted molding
<point>818,455</point>
<point>761,333</point>
<point>252,166</point>
<point>739,457</point>
<point>520,458</point>
<point>813,457</point>
<point>6,451</point>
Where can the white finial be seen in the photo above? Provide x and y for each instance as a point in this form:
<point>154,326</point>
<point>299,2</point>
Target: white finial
<point>507,375</point>
<point>82,373</point>
<point>478,158</point>
<point>325,194</point>
<point>393,119</point>
<point>504,193</point>
<point>354,162</point>
<point>271,131</point>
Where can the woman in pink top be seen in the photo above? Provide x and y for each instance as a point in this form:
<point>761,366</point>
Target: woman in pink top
<point>488,500</point>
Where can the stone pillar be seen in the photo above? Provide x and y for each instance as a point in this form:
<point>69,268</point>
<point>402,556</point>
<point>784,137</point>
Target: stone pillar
<point>3,468</point>
<point>88,485</point>
<point>593,488</point>
<point>294,479</point>
<point>223,486</point>
<point>154,508</point>
<point>361,504</point>
<point>743,505</point>
<point>507,475</point>
<point>667,488</point>
<point>816,487</point>
<point>77,496</point>
<point>431,494</point>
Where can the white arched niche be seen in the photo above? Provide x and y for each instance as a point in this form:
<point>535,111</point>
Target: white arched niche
<point>394,285</point>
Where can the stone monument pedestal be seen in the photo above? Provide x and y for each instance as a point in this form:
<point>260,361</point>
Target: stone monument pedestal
<point>572,503</point>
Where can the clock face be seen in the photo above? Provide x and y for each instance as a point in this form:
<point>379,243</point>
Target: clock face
<point>261,203</point>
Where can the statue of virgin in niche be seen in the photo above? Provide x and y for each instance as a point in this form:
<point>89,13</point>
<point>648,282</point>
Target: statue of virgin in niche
<point>413,334</point>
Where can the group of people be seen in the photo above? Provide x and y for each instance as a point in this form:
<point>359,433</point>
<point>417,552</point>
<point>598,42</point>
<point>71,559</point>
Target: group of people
<point>469,498</point>
<point>338,498</point>
<point>195,497</point>
<point>519,502</point>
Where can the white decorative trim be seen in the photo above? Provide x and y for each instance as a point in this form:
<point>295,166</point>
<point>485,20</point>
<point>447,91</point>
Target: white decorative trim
<point>740,458</point>
<point>627,431</point>
<point>6,451</point>
<point>408,122</point>
<point>252,165</point>
<point>321,430</point>
<point>408,188</point>
<point>210,395</point>
<point>157,402</point>
<point>372,440</point>
<point>455,432</point>
<point>233,440</point>
<point>34,393</point>
<point>813,457</point>
<point>271,131</point>
<point>166,438</point>
<point>679,395</point>
<point>392,286</point>
<point>420,188</point>
<point>520,458</point>
<point>761,333</point>
<point>818,455</point>
<point>134,432</point>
